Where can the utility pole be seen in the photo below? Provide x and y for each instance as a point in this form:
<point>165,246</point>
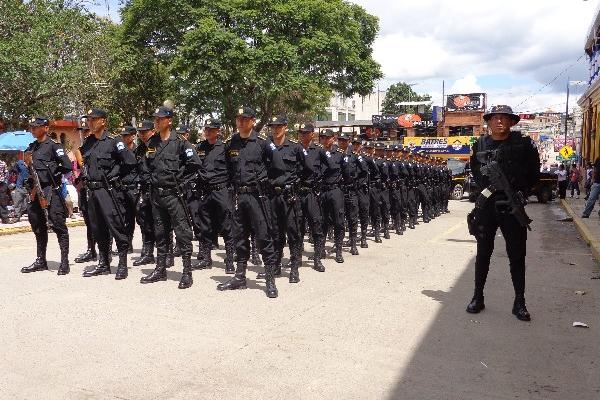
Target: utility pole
<point>567,112</point>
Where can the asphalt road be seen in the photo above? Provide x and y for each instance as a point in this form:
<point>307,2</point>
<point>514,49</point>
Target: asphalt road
<point>388,324</point>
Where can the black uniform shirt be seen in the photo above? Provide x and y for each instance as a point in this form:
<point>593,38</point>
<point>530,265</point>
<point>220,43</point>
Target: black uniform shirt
<point>362,177</point>
<point>394,170</point>
<point>374,173</point>
<point>49,159</point>
<point>248,159</point>
<point>132,175</point>
<point>294,161</point>
<point>170,162</point>
<point>350,169</point>
<point>332,170</point>
<point>214,162</point>
<point>312,173</point>
<point>383,166</point>
<point>108,156</point>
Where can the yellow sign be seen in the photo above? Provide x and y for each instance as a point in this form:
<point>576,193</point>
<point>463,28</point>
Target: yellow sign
<point>452,145</point>
<point>566,152</point>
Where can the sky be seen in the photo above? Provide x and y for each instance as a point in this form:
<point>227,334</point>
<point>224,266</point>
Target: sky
<point>520,52</point>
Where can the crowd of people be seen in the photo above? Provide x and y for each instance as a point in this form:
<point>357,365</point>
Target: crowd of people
<point>259,193</point>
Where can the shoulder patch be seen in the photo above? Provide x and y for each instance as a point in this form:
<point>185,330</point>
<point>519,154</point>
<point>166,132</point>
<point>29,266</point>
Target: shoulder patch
<point>120,146</point>
<point>305,152</point>
<point>272,146</point>
<point>60,152</point>
<point>189,153</point>
<point>346,159</point>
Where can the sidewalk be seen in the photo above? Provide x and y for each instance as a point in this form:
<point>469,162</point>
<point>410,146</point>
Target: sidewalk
<point>23,225</point>
<point>589,228</point>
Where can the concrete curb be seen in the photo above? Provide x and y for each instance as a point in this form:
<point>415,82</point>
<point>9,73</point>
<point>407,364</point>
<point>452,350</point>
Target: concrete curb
<point>13,230</point>
<point>584,231</point>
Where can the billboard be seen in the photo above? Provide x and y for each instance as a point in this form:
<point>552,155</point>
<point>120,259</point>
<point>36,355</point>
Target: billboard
<point>466,102</point>
<point>459,146</point>
<point>559,143</point>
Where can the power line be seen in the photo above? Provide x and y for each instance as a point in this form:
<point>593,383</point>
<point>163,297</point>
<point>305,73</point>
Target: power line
<point>551,81</point>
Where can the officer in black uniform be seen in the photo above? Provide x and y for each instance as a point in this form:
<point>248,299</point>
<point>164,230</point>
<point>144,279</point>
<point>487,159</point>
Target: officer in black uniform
<point>47,207</point>
<point>413,204</point>
<point>144,216</point>
<point>394,187</point>
<point>402,187</point>
<point>285,204</point>
<point>248,158</point>
<point>90,254</point>
<point>333,197</point>
<point>518,159</point>
<point>362,192</point>
<point>374,190</point>
<point>384,191</point>
<point>212,208</point>
<point>131,184</point>
<point>421,191</point>
<point>107,160</point>
<point>310,190</point>
<point>351,169</point>
<point>171,162</point>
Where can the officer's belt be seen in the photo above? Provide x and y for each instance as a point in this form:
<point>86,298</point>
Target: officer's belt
<point>277,190</point>
<point>130,186</point>
<point>247,189</point>
<point>330,186</point>
<point>165,191</point>
<point>214,188</point>
<point>95,185</point>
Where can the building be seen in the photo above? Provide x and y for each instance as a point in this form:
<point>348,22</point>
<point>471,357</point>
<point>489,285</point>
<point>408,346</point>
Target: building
<point>464,115</point>
<point>590,100</point>
<point>348,109</point>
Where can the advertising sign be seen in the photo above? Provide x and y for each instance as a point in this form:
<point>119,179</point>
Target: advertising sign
<point>459,146</point>
<point>466,102</point>
<point>559,143</point>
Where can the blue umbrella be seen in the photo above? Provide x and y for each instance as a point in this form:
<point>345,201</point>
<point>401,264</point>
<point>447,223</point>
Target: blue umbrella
<point>15,141</point>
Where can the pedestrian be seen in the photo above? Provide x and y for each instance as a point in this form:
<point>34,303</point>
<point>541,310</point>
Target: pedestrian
<point>48,162</point>
<point>574,178</point>
<point>19,194</point>
<point>170,160</point>
<point>248,157</point>
<point>594,191</point>
<point>589,177</point>
<point>561,174</point>
<point>518,159</point>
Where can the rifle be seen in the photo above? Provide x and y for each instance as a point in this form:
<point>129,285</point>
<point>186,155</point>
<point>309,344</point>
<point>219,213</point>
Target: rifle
<point>498,182</point>
<point>37,190</point>
<point>55,187</point>
<point>183,204</point>
<point>113,199</point>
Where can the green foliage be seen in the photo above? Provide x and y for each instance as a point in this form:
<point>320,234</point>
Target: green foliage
<point>276,55</point>
<point>400,92</point>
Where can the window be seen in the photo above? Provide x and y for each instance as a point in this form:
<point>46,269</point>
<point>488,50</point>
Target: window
<point>461,131</point>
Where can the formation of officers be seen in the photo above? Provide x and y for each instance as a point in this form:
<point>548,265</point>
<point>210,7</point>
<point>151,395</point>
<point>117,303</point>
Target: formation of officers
<point>258,193</point>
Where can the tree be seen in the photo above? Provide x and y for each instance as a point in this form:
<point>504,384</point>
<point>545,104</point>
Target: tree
<point>400,92</point>
<point>275,55</point>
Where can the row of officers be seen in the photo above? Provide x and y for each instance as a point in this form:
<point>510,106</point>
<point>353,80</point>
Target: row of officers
<point>258,193</point>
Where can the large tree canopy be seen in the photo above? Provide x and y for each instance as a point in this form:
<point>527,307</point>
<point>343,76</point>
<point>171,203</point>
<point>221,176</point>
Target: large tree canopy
<point>400,92</point>
<point>272,54</point>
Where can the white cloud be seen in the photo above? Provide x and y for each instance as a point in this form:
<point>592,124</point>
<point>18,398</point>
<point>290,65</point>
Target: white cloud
<point>468,84</point>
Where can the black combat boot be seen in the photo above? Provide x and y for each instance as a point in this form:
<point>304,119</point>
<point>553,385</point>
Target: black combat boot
<point>204,256</point>
<point>122,267</point>
<point>186,279</point>
<point>238,281</point>
<point>397,226</point>
<point>254,256</point>
<point>271,289</point>
<point>296,256</point>
<point>402,226</point>
<point>176,251</point>
<point>130,247</point>
<point>170,257</point>
<point>363,239</point>
<point>317,264</point>
<point>40,263</point>
<point>339,258</point>
<point>63,243</point>
<point>353,249</point>
<point>229,253</point>
<point>476,305</point>
<point>159,273</point>
<point>386,229</point>
<point>411,223</point>
<point>377,232</point>
<point>519,309</point>
<point>276,267</point>
<point>89,255</point>
<point>147,256</point>
<point>103,267</point>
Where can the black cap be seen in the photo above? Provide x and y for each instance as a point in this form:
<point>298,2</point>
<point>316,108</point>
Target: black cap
<point>502,109</point>
<point>246,112</point>
<point>327,132</point>
<point>212,123</point>
<point>145,126</point>
<point>306,128</point>
<point>128,130</point>
<point>182,129</point>
<point>163,112</point>
<point>343,136</point>
<point>96,113</point>
<point>39,121</point>
<point>278,120</point>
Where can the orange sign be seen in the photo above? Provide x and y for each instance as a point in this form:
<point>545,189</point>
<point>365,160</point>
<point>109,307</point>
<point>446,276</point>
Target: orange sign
<point>408,120</point>
<point>461,101</point>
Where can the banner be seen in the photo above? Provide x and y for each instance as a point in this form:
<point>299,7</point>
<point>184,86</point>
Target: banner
<point>459,146</point>
<point>466,102</point>
<point>559,143</point>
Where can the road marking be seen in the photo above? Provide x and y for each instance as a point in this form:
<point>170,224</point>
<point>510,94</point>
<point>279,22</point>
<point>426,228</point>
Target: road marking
<point>448,231</point>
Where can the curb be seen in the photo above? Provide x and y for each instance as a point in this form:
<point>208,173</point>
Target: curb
<point>27,228</point>
<point>583,230</point>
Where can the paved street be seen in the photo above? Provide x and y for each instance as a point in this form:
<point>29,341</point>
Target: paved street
<point>388,324</point>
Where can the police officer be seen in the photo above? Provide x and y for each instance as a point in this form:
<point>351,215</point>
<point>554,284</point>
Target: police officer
<point>310,189</point>
<point>351,168</point>
<point>248,158</point>
<point>130,182</point>
<point>171,161</point>
<point>374,190</point>
<point>333,197</point>
<point>144,216</point>
<point>107,160</point>
<point>518,159</point>
<point>384,191</point>
<point>285,204</point>
<point>47,162</point>
<point>90,254</point>
<point>212,210</point>
<point>362,192</point>
<point>413,204</point>
<point>394,187</point>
